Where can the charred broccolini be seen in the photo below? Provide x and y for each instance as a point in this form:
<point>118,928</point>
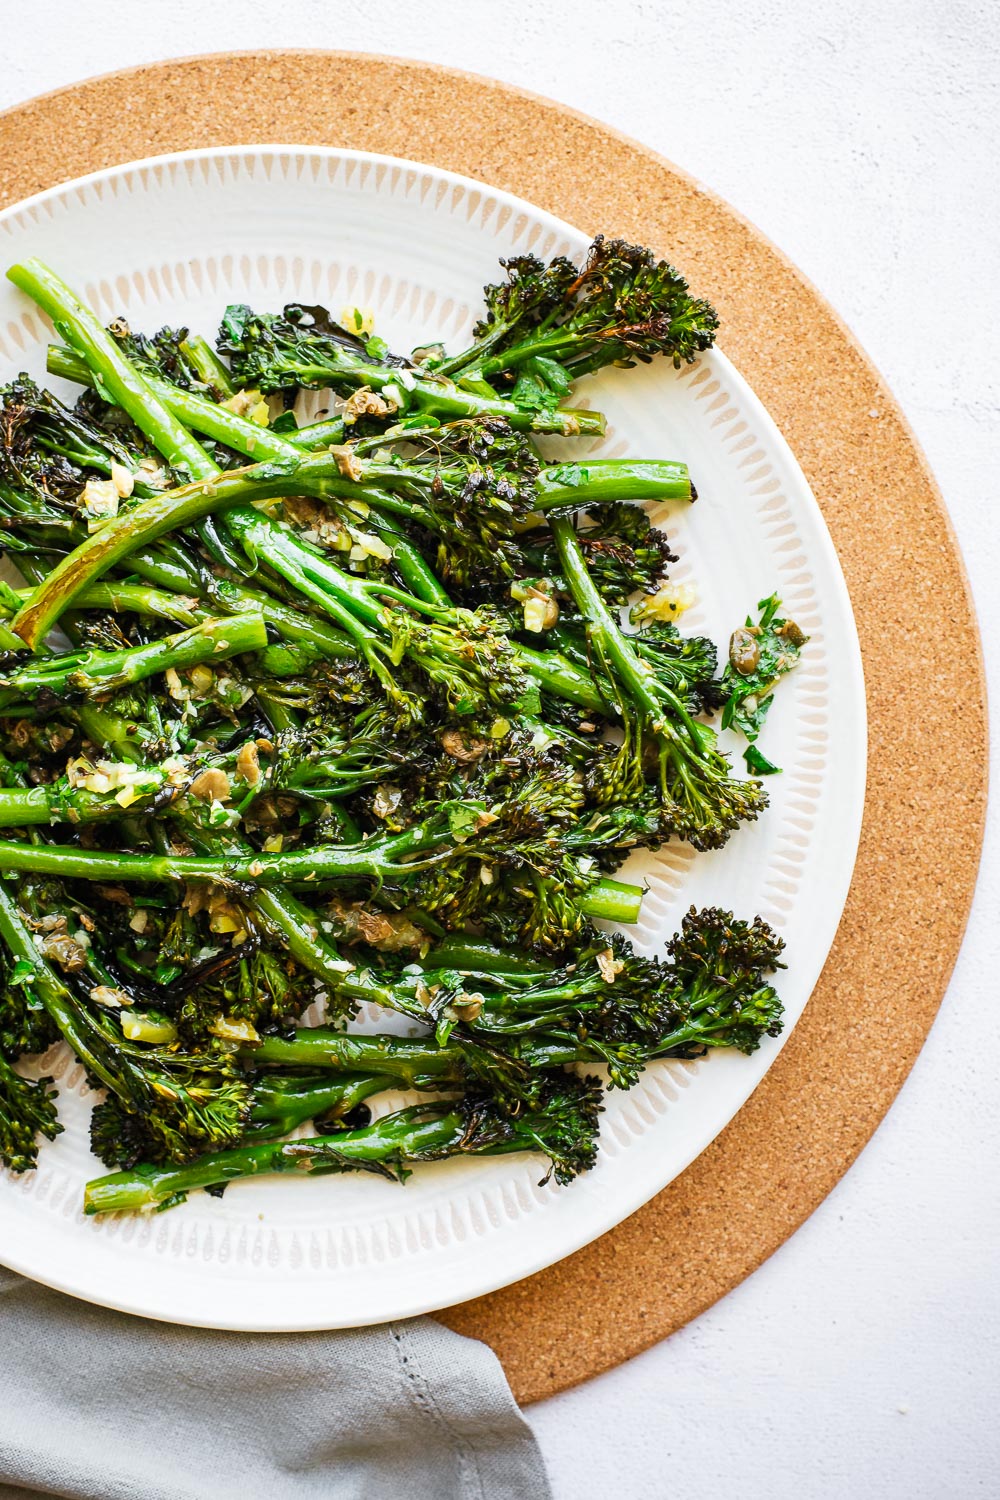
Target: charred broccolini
<point>345,713</point>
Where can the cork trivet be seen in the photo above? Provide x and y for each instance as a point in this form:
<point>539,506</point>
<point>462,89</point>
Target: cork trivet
<point>924,810</point>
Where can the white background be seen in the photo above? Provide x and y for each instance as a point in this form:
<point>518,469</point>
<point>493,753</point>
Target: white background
<point>863,1359</point>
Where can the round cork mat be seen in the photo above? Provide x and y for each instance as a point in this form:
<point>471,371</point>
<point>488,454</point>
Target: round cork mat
<point>923,822</point>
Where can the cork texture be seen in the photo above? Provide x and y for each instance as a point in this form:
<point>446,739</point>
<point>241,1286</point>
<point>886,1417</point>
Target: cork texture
<point>924,811</point>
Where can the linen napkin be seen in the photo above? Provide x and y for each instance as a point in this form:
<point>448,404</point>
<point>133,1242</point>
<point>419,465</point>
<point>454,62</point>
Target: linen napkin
<point>101,1406</point>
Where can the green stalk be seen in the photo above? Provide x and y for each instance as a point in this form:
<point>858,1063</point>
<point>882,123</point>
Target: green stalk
<point>112,371</point>
<point>409,1063</point>
<point>610,900</point>
<point>166,567</point>
<point>106,671</point>
<point>189,407</point>
<point>561,677</point>
<point>125,599</point>
<point>124,385</point>
<point>123,738</point>
<point>307,944</point>
<point>281,1104</point>
<point>291,624</point>
<point>207,363</point>
<point>332,862</point>
<point>8,640</point>
<point>357,606</point>
<point>53,803</point>
<point>135,528</point>
<point>438,397</point>
<point>49,988</point>
<point>318,476</point>
<point>635,674</point>
<point>314,435</point>
<point>420,1133</point>
<point>596,481</point>
<point>194,411</point>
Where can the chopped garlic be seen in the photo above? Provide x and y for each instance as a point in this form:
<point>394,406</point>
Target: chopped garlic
<point>366,544</point>
<point>359,320</point>
<point>137,1026</point>
<point>123,479</point>
<point>110,998</point>
<point>211,786</point>
<point>668,603</point>
<point>365,403</point>
<point>139,920</point>
<point>232,1029</point>
<point>346,461</point>
<point>224,921</point>
<point>248,763</point>
<point>202,680</point>
<point>175,687</point>
<point>386,800</point>
<point>244,403</point>
<point>609,966</point>
<point>540,614</point>
<point>100,501</point>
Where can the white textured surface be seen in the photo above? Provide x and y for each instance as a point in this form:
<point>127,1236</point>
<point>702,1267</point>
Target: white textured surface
<point>863,140</point>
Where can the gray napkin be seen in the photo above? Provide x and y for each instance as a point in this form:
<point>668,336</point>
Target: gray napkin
<point>100,1406</point>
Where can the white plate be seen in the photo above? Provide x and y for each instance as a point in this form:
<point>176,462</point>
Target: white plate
<point>172,240</point>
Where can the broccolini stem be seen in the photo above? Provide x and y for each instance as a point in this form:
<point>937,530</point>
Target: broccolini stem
<point>440,398</point>
<point>593,482</point>
<point>208,364</point>
<point>420,1133</point>
<point>96,671</point>
<point>315,435</point>
<point>596,481</point>
<point>316,475</point>
<point>612,901</point>
<point>413,570</point>
<point>635,674</point>
<point>281,1104</point>
<point>112,371</point>
<point>125,598</point>
<point>24,807</point>
<point>258,444</point>
<point>198,412</point>
<point>153,518</point>
<point>291,624</point>
<point>608,899</point>
<point>561,677</point>
<point>409,1063</point>
<point>48,988</point>
<point>344,596</point>
<point>332,862</point>
<point>299,927</point>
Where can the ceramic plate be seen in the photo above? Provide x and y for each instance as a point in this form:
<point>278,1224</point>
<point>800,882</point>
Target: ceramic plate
<point>172,240</point>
